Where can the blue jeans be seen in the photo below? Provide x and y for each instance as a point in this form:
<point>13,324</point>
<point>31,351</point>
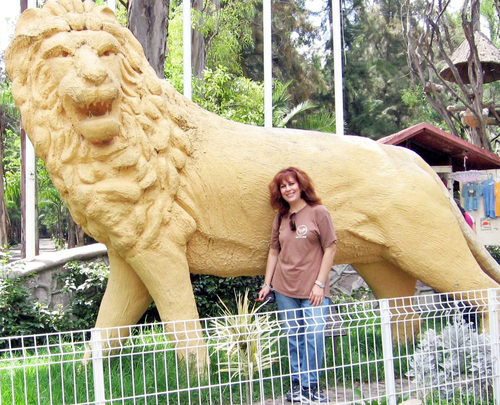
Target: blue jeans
<point>305,327</point>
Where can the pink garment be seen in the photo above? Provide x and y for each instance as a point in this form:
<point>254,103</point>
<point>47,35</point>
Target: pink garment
<point>469,219</point>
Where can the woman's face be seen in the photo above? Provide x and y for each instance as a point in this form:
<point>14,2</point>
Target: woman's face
<point>290,190</point>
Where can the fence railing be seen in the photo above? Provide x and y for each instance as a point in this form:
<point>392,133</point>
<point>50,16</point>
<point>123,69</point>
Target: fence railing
<point>434,348</point>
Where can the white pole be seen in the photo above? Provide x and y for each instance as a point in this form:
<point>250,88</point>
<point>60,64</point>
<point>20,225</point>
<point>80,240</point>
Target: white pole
<point>30,187</point>
<point>97,366</point>
<point>268,64</point>
<point>337,64</point>
<point>386,331</point>
<point>186,47</point>
<point>112,5</point>
<point>494,342</point>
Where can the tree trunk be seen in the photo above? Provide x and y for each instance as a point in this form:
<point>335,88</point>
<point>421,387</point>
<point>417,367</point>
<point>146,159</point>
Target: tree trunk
<point>148,21</point>
<point>4,218</point>
<point>71,231</point>
<point>80,236</point>
<point>198,51</point>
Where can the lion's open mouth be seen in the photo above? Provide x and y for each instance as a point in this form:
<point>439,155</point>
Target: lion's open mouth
<point>99,109</point>
<point>97,122</point>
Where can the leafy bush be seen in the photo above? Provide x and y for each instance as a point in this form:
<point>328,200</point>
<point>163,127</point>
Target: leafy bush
<point>495,252</point>
<point>458,356</point>
<point>86,282</point>
<point>20,314</point>
<point>210,290</point>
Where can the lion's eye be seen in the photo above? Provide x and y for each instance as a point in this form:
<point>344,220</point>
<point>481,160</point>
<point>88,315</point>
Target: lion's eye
<point>57,52</point>
<point>108,51</point>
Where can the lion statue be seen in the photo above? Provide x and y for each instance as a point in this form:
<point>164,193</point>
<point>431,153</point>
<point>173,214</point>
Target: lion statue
<point>171,189</point>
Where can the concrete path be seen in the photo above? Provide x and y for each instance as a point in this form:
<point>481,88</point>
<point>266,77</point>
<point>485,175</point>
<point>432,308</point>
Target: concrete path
<point>46,245</point>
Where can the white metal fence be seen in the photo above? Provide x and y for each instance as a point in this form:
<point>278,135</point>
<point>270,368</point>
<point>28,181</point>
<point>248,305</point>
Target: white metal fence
<point>433,348</point>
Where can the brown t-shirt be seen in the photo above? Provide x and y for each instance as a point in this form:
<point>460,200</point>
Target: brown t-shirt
<point>301,251</point>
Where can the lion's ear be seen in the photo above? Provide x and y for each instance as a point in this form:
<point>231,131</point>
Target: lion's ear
<point>107,14</point>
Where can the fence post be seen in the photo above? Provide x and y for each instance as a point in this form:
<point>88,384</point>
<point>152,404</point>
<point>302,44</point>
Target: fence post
<point>494,342</point>
<point>387,351</point>
<point>97,366</point>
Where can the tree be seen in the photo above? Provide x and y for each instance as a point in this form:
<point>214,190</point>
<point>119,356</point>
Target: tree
<point>148,21</point>
<point>431,42</point>
<point>9,121</point>
<point>4,218</point>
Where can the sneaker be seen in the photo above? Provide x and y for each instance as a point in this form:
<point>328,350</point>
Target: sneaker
<point>313,396</point>
<point>295,394</point>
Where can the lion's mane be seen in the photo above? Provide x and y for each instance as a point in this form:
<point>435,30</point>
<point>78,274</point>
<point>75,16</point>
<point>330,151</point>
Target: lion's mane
<point>137,174</point>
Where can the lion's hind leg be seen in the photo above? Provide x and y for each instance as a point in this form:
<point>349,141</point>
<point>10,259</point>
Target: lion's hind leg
<point>387,281</point>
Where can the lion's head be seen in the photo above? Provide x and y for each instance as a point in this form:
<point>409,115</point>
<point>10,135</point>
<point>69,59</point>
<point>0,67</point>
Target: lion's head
<point>99,117</point>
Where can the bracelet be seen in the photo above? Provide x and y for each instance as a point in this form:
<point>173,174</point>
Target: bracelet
<point>319,283</point>
<point>267,285</point>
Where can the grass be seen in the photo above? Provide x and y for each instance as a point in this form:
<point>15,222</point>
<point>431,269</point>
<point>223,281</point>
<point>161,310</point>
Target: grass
<point>140,375</point>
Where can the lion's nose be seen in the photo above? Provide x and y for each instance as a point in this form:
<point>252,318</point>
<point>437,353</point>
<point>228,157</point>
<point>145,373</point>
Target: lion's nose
<point>90,67</point>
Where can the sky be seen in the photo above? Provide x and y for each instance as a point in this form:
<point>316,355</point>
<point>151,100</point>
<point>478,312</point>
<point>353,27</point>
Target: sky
<point>8,17</point>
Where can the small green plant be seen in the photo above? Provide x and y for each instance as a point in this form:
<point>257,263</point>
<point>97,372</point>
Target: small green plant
<point>5,255</point>
<point>247,341</point>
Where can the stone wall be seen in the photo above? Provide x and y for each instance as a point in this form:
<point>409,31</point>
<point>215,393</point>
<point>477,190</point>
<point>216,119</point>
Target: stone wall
<point>46,286</point>
<point>43,272</point>
<point>345,282</point>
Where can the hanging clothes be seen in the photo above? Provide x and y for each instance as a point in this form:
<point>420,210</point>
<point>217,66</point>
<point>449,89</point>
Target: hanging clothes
<point>497,198</point>
<point>471,193</point>
<point>488,192</point>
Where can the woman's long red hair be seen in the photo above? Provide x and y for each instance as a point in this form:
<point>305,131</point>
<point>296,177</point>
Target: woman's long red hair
<point>305,183</point>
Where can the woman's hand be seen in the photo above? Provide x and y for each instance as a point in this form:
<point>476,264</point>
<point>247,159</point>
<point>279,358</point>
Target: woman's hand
<point>264,292</point>
<point>316,296</point>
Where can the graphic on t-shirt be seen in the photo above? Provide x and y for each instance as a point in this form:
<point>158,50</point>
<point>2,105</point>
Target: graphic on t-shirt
<point>301,231</point>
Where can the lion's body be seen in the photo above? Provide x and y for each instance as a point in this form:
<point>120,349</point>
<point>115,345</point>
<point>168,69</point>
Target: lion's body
<point>171,188</point>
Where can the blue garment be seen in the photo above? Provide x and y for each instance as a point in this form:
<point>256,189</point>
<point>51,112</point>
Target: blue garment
<point>488,192</point>
<point>471,193</point>
<point>305,325</point>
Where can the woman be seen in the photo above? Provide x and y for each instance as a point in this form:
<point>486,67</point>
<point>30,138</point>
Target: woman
<point>300,258</point>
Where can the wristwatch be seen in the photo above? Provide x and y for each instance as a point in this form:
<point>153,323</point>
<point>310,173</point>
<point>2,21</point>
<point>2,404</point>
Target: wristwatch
<point>322,285</point>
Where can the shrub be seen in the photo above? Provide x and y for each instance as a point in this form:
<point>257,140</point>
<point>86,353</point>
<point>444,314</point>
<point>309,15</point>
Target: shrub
<point>208,290</point>
<point>495,252</point>
<point>20,314</point>
<point>457,356</point>
<point>86,283</point>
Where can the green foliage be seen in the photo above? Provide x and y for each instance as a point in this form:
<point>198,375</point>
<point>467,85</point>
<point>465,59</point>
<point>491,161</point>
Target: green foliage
<point>227,30</point>
<point>495,252</point>
<point>209,290</point>
<point>421,111</point>
<point>230,96</point>
<point>245,342</point>
<point>173,61</point>
<point>20,314</point>
<point>86,282</point>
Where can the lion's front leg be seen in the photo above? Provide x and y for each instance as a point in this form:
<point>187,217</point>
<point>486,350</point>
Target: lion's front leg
<point>164,270</point>
<point>125,300</point>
